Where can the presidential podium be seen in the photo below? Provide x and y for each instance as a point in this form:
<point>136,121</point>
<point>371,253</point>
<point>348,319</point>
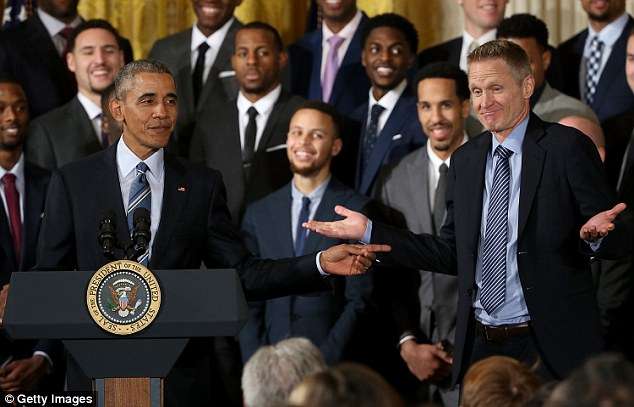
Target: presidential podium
<point>126,370</point>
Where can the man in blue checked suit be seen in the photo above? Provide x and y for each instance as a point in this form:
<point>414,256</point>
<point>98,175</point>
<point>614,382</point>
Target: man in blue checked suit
<point>272,228</point>
<point>527,204</point>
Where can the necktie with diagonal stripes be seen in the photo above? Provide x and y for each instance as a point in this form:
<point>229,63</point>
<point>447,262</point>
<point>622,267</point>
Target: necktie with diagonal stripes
<point>140,197</point>
<point>496,235</point>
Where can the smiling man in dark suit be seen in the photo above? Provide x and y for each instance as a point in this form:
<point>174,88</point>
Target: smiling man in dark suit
<point>74,130</point>
<point>596,58</point>
<point>522,199</point>
<point>388,120</point>
<point>200,59</point>
<point>245,138</point>
<point>33,53</point>
<point>190,222</point>
<point>326,64</point>
<point>23,364</point>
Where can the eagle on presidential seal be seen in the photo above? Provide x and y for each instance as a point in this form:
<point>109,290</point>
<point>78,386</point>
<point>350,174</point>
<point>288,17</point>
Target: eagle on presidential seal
<point>123,293</point>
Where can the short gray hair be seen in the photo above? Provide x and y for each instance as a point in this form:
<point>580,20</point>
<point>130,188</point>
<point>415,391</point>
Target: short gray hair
<point>511,53</point>
<point>127,74</point>
<point>273,371</point>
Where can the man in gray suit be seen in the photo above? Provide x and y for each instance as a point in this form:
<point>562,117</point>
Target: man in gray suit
<point>200,60</point>
<point>548,103</point>
<point>245,139</point>
<point>415,189</point>
<point>73,131</point>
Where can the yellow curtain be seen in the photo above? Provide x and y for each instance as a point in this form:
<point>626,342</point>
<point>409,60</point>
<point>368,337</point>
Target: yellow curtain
<point>144,21</point>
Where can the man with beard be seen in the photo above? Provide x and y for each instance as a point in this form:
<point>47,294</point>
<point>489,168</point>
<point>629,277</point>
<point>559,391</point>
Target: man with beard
<point>596,57</point>
<point>34,54</point>
<point>326,64</point>
<point>389,128</point>
<point>415,189</point>
<point>74,130</point>
<point>273,229</point>
<point>244,138</point>
<point>200,59</point>
<point>23,364</point>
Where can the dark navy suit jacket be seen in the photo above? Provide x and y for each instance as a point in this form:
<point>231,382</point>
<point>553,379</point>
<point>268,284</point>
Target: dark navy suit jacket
<point>401,135</point>
<point>351,84</point>
<point>613,95</point>
<point>328,318</point>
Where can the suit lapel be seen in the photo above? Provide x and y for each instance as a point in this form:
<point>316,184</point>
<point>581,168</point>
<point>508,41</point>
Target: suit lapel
<point>314,90</point>
<point>183,77</point>
<point>175,194</point>
<point>34,197</point>
<point>455,48</point>
<point>352,58</point>
<point>84,124</point>
<point>326,212</point>
<point>6,242</point>
<point>418,179</point>
<point>532,165</point>
<point>280,211</point>
<point>471,192</point>
<point>271,123</point>
<point>613,67</point>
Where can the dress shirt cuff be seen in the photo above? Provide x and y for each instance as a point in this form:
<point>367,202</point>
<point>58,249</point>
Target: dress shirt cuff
<point>321,271</point>
<point>367,235</point>
<point>594,246</point>
<point>406,336</point>
<point>45,356</point>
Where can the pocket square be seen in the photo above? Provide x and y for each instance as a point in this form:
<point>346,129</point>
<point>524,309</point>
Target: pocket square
<point>397,137</point>
<point>226,74</point>
<point>275,148</point>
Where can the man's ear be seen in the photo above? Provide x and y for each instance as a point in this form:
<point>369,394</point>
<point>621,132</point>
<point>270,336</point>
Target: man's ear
<point>116,109</point>
<point>546,58</point>
<point>528,86</point>
<point>70,62</point>
<point>283,58</point>
<point>337,145</point>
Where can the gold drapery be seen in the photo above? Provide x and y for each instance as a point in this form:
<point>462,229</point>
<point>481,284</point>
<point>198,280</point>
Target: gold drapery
<point>144,21</point>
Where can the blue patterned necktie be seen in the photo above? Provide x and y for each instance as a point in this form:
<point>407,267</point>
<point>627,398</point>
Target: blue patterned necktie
<point>593,63</point>
<point>140,197</point>
<point>496,235</point>
<point>302,233</point>
<point>371,134</point>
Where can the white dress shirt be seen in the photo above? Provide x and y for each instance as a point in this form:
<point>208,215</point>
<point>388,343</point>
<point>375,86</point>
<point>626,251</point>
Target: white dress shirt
<point>346,33</point>
<point>608,35</point>
<point>54,26</point>
<point>388,101</point>
<point>18,171</point>
<point>467,39</point>
<point>93,111</point>
<point>126,169</point>
<point>264,106</point>
<point>433,170</point>
<point>214,41</point>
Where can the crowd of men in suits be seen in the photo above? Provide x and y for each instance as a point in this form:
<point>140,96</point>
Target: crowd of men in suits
<point>241,141</point>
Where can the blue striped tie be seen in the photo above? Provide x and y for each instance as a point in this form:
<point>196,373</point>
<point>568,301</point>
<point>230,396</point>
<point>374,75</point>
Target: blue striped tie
<point>140,197</point>
<point>496,235</point>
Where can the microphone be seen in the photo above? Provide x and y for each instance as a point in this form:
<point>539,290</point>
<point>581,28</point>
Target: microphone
<point>107,236</point>
<point>141,234</point>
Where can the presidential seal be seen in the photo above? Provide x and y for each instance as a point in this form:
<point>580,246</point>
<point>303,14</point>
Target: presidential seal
<point>123,297</point>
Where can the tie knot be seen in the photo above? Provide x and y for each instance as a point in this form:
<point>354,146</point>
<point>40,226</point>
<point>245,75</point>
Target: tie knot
<point>305,203</point>
<point>474,44</point>
<point>8,179</point>
<point>252,112</point>
<point>503,152</point>
<point>141,168</point>
<point>203,47</point>
<point>376,111</point>
<point>66,32</point>
<point>443,168</point>
<point>335,41</point>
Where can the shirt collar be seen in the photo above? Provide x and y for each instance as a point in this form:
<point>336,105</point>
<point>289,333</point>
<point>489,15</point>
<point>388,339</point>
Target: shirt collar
<point>264,105</point>
<point>484,38</point>
<point>389,100</point>
<point>611,32</point>
<point>17,170</point>
<point>89,106</point>
<point>514,140</point>
<point>127,160</point>
<point>317,193</point>
<point>53,25</point>
<point>435,160</point>
<point>347,32</point>
<point>214,40</point>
